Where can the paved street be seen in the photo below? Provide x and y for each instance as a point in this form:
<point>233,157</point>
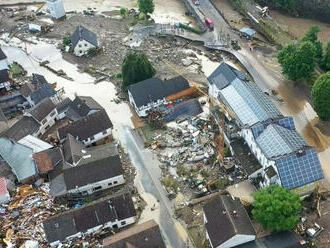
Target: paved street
<point>148,166</point>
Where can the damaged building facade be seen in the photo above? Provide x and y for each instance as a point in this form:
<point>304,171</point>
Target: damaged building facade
<point>285,157</point>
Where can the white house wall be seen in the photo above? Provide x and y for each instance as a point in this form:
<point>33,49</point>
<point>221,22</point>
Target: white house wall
<point>97,137</point>
<point>110,224</point>
<point>82,48</point>
<point>50,121</point>
<point>56,9</point>
<point>237,240</point>
<point>105,184</point>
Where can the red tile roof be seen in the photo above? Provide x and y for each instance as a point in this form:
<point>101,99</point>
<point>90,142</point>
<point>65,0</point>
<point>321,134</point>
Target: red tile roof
<point>3,186</point>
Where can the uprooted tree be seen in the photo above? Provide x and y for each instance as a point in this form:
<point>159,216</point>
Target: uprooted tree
<point>146,6</point>
<point>276,208</point>
<point>136,67</point>
<point>321,96</point>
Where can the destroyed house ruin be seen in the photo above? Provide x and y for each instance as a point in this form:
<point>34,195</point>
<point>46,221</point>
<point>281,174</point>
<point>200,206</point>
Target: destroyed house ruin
<point>112,212</point>
<point>152,93</point>
<point>285,157</point>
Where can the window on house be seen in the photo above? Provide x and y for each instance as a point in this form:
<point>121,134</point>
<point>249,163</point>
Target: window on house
<point>105,132</point>
<point>97,188</point>
<point>44,122</point>
<point>123,223</point>
<point>115,226</point>
<point>80,51</point>
<point>79,45</point>
<point>109,184</point>
<point>115,182</point>
<point>85,45</point>
<point>92,138</point>
<point>52,113</point>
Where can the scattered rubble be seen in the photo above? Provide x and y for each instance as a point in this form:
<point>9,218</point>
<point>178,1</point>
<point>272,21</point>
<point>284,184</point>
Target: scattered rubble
<point>21,219</point>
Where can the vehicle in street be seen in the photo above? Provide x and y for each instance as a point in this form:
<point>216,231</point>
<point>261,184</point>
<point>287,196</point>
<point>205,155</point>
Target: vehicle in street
<point>196,2</point>
<point>209,23</point>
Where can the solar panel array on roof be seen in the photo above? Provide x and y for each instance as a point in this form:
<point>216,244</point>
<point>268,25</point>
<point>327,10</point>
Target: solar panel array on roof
<point>299,170</point>
<point>249,103</point>
<point>242,110</point>
<point>277,141</point>
<point>287,122</point>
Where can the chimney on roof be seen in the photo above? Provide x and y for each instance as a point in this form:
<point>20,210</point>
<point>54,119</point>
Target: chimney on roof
<point>235,213</point>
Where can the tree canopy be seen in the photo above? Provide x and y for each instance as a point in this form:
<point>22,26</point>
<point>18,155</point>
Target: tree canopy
<point>135,68</point>
<point>321,96</point>
<point>311,36</point>
<point>326,58</point>
<point>298,61</point>
<point>146,6</point>
<point>276,208</point>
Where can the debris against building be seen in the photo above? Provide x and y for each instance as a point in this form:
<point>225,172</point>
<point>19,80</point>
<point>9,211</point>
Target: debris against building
<point>145,235</point>
<point>227,222</point>
<point>112,212</point>
<point>24,216</point>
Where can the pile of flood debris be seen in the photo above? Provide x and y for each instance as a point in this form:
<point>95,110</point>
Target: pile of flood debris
<point>21,220</point>
<point>190,141</point>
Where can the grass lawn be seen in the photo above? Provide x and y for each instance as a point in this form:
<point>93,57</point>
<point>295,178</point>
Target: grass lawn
<point>16,69</point>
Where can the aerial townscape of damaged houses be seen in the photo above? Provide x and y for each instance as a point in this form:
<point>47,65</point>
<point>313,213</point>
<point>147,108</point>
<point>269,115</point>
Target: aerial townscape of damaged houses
<point>84,161</point>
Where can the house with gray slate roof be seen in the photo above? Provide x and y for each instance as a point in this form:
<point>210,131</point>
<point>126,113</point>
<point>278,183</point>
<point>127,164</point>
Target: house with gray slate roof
<point>113,212</point>
<point>285,157</point>
<point>227,223</point>
<point>44,113</point>
<point>152,93</point>
<point>82,41</point>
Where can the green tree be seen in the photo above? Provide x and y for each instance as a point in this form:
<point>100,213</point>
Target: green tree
<point>326,58</point>
<point>298,61</point>
<point>146,6</point>
<point>276,208</point>
<point>135,68</point>
<point>321,96</point>
<point>311,36</point>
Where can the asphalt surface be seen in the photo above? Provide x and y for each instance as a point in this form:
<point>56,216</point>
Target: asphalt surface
<point>148,167</point>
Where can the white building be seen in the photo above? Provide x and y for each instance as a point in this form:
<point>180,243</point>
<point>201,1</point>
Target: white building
<point>93,176</point>
<point>4,64</point>
<point>56,8</point>
<point>113,212</point>
<point>152,93</point>
<point>45,114</point>
<point>227,223</point>
<point>82,41</point>
<point>285,157</point>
